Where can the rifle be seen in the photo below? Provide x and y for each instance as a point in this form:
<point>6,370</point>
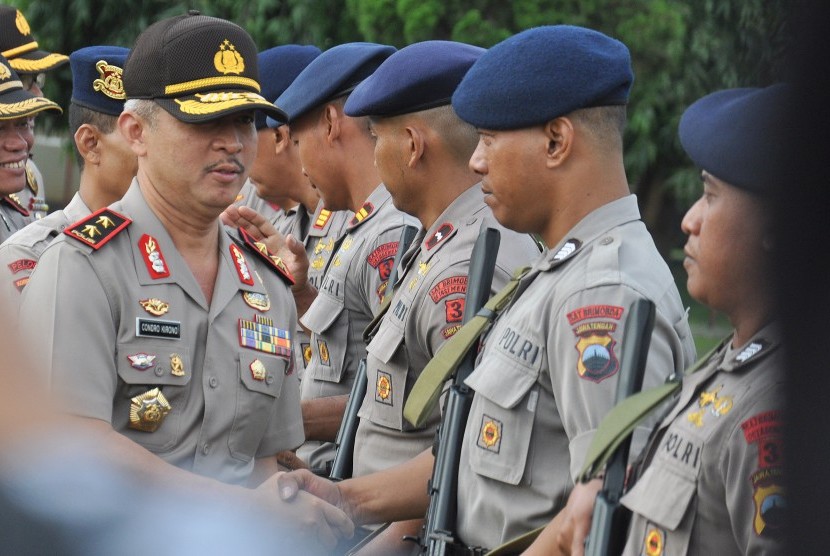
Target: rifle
<point>341,467</point>
<point>610,520</point>
<point>439,526</point>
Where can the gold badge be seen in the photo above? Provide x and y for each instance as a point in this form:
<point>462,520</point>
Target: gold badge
<point>258,301</point>
<point>383,388</point>
<point>318,263</point>
<point>654,542</point>
<point>423,268</point>
<point>306,354</point>
<point>336,261</point>
<point>155,306</point>
<point>347,243</point>
<point>489,436</point>
<point>324,352</point>
<point>176,365</point>
<point>717,406</point>
<point>21,23</point>
<point>258,370</point>
<point>228,60</point>
<point>5,73</point>
<point>147,411</point>
<point>109,83</point>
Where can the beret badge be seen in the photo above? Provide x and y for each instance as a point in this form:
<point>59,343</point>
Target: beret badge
<point>21,23</point>
<point>109,82</point>
<point>228,60</point>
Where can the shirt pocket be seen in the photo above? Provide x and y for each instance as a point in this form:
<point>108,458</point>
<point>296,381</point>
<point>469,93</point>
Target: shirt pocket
<point>389,383</point>
<point>328,321</point>
<point>501,420</point>
<point>141,367</point>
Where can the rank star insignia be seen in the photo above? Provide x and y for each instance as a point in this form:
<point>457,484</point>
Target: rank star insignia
<point>258,370</point>
<point>383,393</point>
<point>228,60</point>
<point>176,365</point>
<point>109,83</point>
<point>155,306</point>
<point>98,228</point>
<point>262,252</point>
<point>148,410</point>
<point>258,301</point>
<point>142,361</point>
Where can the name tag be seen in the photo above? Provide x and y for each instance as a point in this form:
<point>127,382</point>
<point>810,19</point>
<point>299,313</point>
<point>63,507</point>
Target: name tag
<point>153,328</point>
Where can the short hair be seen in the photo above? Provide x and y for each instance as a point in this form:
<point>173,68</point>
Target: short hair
<point>144,108</point>
<point>460,137</point>
<point>606,124</point>
<point>80,115</point>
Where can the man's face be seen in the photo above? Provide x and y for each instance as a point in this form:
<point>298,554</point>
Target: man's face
<point>308,134</point>
<point>508,163</point>
<point>391,156</point>
<point>199,167</point>
<point>16,141</point>
<point>119,163</point>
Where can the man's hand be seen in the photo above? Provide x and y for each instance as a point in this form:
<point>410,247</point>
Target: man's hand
<point>578,514</point>
<point>311,517</point>
<point>289,461</point>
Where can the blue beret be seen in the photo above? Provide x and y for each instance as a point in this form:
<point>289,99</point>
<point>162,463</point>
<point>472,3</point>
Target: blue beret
<point>735,135</point>
<point>96,78</point>
<point>333,73</point>
<point>278,67</point>
<point>541,74</point>
<point>421,76</point>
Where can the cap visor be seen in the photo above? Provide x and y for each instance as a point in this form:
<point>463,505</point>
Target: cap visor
<point>20,103</point>
<point>37,61</point>
<point>210,106</point>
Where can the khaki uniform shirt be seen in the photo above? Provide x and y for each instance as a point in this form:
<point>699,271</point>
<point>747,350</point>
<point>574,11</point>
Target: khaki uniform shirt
<point>548,371</point>
<point>426,309</point>
<point>19,254</point>
<point>13,215</point>
<point>714,481</point>
<point>117,322</point>
<point>33,196</point>
<point>349,296</point>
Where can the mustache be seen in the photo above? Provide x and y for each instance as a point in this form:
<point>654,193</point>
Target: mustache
<point>233,161</point>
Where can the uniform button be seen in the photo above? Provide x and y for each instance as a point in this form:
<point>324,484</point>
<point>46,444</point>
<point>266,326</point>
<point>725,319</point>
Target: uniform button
<point>213,382</point>
<point>159,371</point>
<point>206,449</point>
<point>606,241</point>
<point>269,379</point>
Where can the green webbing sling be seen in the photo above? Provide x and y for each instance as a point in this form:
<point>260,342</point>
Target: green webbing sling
<point>624,418</point>
<point>427,389</point>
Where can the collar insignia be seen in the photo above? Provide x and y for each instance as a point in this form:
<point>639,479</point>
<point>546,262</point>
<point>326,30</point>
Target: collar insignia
<point>154,306</point>
<point>109,83</point>
<point>567,250</point>
<point>750,351</point>
<point>361,215</point>
<point>322,218</point>
<point>13,201</point>
<point>241,265</point>
<point>228,60</point>
<point>440,235</point>
<point>98,228</point>
<point>153,258</point>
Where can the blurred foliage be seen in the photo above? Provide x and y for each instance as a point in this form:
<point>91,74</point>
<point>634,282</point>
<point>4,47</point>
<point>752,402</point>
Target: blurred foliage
<point>680,51</point>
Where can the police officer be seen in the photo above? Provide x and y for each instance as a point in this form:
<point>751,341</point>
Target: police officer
<point>337,154</point>
<point>712,479</point>
<point>422,151</point>
<point>184,359</point>
<point>549,105</point>
<point>107,163</point>
<point>31,63</point>
<point>17,108</point>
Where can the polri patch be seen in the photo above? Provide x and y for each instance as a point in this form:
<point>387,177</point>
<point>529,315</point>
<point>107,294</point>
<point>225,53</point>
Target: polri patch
<point>383,388</point>
<point>448,286</point>
<point>153,258</point>
<point>156,328</point>
<point>98,228</point>
<point>261,334</point>
<point>770,501</point>
<point>489,435</point>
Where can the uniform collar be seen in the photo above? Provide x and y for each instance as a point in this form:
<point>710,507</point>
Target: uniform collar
<point>76,209</point>
<point>379,197</point>
<point>764,342</point>
<point>463,211</point>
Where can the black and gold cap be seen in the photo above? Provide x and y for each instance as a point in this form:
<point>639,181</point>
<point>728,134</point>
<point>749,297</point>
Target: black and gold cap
<point>196,67</point>
<point>20,48</point>
<point>15,101</point>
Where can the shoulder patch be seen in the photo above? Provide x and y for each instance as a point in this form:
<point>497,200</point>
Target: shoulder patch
<point>595,342</point>
<point>98,228</point>
<point>322,218</point>
<point>22,264</point>
<point>440,235</point>
<point>272,261</point>
<point>361,215</point>
<point>382,259</point>
<point>13,201</point>
<point>448,286</point>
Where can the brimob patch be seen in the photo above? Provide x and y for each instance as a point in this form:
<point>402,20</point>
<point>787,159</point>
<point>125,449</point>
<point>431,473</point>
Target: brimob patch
<point>383,388</point>
<point>448,286</point>
<point>382,259</point>
<point>489,436</point>
<point>454,310</point>
<point>767,431</point>
<point>595,312</point>
<point>597,360</point>
<point>770,501</point>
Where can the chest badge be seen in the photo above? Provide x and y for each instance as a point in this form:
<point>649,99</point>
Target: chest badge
<point>261,334</point>
<point>383,393</point>
<point>155,306</point>
<point>489,436</point>
<point>241,265</point>
<point>148,410</point>
<point>258,301</point>
<point>153,258</point>
<point>176,365</point>
<point>142,361</point>
<point>258,370</point>
<point>712,402</point>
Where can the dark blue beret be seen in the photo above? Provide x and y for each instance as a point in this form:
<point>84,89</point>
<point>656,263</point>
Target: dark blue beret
<point>97,78</point>
<point>418,77</point>
<point>333,73</point>
<point>735,135</point>
<point>278,67</point>
<point>541,74</point>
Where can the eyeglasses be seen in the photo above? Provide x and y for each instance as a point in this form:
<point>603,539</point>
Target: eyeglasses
<point>31,79</point>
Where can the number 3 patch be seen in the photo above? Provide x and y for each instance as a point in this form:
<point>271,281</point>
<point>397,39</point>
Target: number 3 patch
<point>455,310</point>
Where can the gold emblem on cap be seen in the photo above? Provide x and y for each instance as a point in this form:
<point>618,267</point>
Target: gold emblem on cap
<point>228,60</point>
<point>258,370</point>
<point>22,24</point>
<point>216,102</point>
<point>5,72</point>
<point>155,306</point>
<point>110,82</point>
<point>176,365</point>
<point>148,410</point>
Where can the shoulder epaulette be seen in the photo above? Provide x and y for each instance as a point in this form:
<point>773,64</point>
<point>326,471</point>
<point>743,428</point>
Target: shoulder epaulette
<point>322,219</point>
<point>361,215</point>
<point>98,228</point>
<point>13,201</point>
<point>261,251</point>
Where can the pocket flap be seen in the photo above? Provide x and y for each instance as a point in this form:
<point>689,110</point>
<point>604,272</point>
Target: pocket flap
<point>262,373</point>
<point>662,495</point>
<point>505,385</point>
<point>322,313</point>
<point>154,364</point>
<point>386,342</point>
